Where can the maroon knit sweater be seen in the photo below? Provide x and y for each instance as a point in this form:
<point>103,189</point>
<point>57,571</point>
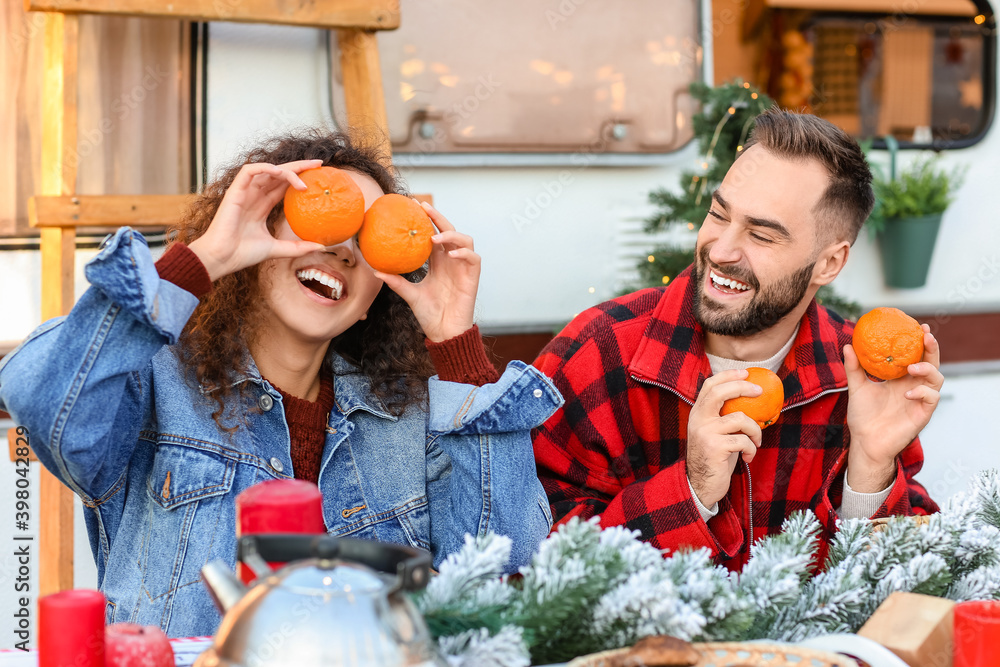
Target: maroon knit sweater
<point>459,359</point>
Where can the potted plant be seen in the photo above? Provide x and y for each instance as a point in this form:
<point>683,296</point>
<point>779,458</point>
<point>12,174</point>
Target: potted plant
<point>907,215</point>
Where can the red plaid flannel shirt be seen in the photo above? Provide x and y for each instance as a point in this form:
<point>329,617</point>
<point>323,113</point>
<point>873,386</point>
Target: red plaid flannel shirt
<point>630,370</point>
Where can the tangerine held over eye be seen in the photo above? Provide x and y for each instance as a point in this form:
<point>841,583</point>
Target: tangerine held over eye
<point>396,235</point>
<point>886,341</point>
<point>329,211</point>
<point>763,409</point>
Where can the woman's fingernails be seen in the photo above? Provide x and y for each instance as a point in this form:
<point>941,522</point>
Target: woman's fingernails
<point>436,237</point>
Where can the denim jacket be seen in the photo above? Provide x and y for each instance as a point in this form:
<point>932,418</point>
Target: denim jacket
<point>109,412</point>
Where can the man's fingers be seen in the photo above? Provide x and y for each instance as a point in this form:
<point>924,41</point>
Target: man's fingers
<point>713,399</point>
<point>737,422</point>
<point>924,394</point>
<point>932,350</point>
<point>927,373</point>
<point>856,376</point>
<point>741,444</point>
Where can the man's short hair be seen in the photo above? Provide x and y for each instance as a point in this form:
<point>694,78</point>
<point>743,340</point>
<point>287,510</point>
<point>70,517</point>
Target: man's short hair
<point>849,199</point>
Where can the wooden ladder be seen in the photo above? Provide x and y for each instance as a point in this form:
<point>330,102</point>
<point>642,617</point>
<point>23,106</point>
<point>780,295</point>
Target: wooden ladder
<point>57,211</point>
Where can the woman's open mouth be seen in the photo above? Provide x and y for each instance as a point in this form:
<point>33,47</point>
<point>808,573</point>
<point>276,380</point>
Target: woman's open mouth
<point>321,284</point>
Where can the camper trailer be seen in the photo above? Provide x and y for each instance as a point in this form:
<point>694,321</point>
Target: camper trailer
<point>539,127</point>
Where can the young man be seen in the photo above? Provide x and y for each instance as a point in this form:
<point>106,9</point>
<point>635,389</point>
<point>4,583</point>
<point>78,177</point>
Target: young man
<point>640,441</point>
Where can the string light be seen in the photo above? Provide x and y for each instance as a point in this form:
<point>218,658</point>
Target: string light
<point>591,290</point>
<point>690,225</point>
<point>753,95</point>
<point>739,148</point>
<point>746,84</point>
<point>651,259</point>
<point>666,279</point>
<point>732,110</point>
<point>980,19</point>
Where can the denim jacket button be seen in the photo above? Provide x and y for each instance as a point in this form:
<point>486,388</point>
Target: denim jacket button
<point>537,393</point>
<point>105,241</point>
<point>265,402</point>
<point>276,462</point>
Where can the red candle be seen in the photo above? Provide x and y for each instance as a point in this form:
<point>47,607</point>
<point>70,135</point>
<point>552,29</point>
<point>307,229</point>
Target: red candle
<point>977,633</point>
<point>71,629</point>
<point>279,506</point>
<point>133,645</point>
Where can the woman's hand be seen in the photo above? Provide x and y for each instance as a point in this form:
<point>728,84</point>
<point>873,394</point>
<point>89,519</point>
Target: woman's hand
<point>238,235</point>
<point>445,300</point>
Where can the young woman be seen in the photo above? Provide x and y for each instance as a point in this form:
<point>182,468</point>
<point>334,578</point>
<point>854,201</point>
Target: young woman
<point>173,386</point>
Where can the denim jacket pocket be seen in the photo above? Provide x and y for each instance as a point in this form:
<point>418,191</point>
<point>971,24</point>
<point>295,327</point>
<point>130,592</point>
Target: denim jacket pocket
<point>188,505</point>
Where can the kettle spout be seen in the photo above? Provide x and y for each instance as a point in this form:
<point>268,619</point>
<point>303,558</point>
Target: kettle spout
<point>225,588</point>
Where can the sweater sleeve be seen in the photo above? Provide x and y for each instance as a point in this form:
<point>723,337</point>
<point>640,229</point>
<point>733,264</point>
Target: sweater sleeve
<point>857,505</point>
<point>180,266</point>
<point>463,359</point>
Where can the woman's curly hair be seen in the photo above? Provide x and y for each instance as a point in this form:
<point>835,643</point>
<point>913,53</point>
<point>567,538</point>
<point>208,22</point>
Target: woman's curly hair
<point>388,346</point>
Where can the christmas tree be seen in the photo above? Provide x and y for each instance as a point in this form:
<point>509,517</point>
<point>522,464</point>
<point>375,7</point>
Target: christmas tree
<point>721,129</point>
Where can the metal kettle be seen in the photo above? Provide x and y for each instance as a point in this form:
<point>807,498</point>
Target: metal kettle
<point>345,604</point>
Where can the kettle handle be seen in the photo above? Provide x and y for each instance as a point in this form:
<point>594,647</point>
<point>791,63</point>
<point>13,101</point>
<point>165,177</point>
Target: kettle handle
<point>412,566</point>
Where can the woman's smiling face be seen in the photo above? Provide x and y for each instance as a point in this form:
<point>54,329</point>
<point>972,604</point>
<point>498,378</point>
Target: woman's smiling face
<point>319,296</point>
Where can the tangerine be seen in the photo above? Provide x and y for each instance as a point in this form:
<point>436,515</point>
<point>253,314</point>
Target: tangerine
<point>396,235</point>
<point>887,340</point>
<point>763,409</point>
<point>329,211</point>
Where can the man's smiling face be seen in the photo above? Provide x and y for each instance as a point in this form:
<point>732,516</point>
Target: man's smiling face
<point>756,251</point>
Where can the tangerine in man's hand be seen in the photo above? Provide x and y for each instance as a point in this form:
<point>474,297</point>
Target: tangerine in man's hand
<point>887,340</point>
<point>763,409</point>
<point>329,211</point>
<point>396,235</point>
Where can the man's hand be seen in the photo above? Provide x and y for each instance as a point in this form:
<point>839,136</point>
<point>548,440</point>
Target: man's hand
<point>714,443</point>
<point>885,417</point>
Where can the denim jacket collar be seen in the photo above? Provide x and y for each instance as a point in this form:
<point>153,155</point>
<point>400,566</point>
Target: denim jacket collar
<point>351,388</point>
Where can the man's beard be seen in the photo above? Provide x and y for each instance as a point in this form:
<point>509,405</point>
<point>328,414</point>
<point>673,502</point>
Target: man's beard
<point>765,309</point>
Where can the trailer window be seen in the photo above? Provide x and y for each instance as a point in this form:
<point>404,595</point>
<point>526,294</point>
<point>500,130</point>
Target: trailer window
<point>529,76</point>
<point>926,80</point>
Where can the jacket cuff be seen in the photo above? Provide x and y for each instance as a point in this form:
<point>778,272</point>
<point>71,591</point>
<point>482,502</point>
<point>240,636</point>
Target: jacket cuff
<point>462,359</point>
<point>668,517</point>
<point>182,267</point>
<point>897,502</point>
<point>521,399</point>
<point>123,270</point>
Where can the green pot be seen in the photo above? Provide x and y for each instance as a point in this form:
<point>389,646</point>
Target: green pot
<point>907,245</point>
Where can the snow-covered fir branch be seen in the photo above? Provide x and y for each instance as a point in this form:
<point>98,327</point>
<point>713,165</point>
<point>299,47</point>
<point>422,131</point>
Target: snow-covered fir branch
<point>589,589</point>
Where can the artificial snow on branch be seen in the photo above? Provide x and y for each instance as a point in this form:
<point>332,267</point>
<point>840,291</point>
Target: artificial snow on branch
<point>588,589</point>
